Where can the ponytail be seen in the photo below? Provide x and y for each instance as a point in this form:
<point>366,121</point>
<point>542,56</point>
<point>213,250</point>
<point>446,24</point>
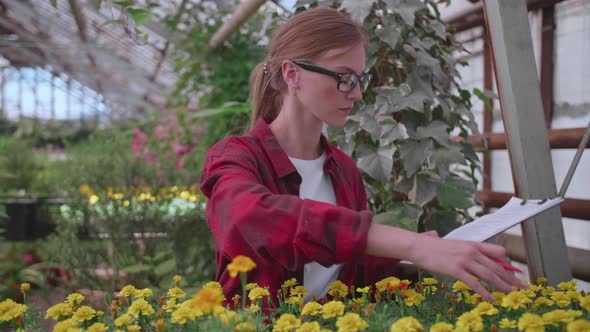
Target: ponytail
<point>266,100</point>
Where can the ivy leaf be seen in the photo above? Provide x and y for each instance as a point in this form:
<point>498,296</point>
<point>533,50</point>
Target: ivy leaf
<point>391,131</point>
<point>124,4</point>
<point>413,153</point>
<point>443,221</point>
<point>424,189</point>
<point>439,30</point>
<point>369,124</point>
<point>377,163</point>
<point>456,193</point>
<point>436,130</point>
<point>400,215</point>
<point>406,9</point>
<point>426,60</point>
<point>54,3</point>
<point>442,159</point>
<point>390,32</point>
<point>139,15</point>
<point>358,9</point>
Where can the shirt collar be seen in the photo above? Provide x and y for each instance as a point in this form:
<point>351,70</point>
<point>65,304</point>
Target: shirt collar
<point>278,158</point>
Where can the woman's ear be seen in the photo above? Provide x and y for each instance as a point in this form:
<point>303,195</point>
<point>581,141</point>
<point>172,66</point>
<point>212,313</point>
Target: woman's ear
<point>290,74</point>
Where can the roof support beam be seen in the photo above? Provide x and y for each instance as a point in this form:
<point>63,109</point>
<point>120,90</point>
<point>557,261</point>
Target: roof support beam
<point>246,9</point>
<point>528,143</point>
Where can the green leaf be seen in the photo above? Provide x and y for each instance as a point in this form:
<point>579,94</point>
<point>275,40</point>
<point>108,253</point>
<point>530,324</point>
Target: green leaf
<point>377,163</point>
<point>456,193</point>
<point>124,4</point>
<point>368,123</point>
<point>400,215</point>
<point>54,3</point>
<point>413,154</point>
<point>112,22</point>
<point>139,15</point>
<point>136,268</point>
<point>358,9</point>
<point>442,221</point>
<point>165,268</point>
<point>485,99</point>
<point>390,32</point>
<point>436,130</point>
<point>442,159</point>
<point>406,9</point>
<point>425,188</point>
<point>391,131</point>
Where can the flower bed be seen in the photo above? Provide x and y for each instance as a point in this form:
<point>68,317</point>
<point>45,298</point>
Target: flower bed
<point>389,305</point>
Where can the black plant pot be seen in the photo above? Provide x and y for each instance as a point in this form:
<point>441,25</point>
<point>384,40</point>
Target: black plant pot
<point>28,217</point>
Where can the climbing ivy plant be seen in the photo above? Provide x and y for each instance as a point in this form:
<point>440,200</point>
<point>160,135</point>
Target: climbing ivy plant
<point>400,135</point>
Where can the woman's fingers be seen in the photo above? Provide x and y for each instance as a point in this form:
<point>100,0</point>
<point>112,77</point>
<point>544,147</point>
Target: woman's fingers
<point>507,279</point>
<point>468,279</point>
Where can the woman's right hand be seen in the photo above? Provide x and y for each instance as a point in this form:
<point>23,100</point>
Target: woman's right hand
<point>462,260</point>
<point>465,260</point>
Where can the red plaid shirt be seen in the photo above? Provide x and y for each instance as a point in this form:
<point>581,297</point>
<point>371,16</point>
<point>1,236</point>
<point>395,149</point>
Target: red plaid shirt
<point>254,209</point>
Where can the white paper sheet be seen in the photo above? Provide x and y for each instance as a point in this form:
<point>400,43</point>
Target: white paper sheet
<point>511,214</point>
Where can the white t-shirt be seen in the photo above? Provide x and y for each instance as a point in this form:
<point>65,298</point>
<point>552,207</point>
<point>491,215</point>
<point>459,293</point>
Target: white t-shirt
<point>316,185</point>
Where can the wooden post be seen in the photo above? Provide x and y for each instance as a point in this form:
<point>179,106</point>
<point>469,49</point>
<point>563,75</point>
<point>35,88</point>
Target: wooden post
<point>528,144</point>
<point>246,9</point>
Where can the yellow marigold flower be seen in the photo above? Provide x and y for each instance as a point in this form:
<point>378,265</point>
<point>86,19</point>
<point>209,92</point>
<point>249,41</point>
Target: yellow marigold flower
<point>338,289</point>
<point>10,310</point>
<point>486,308</point>
<point>351,322</point>
<point>97,327</point>
<point>140,306</point>
<point>25,287</point>
<point>429,281</point>
<point>207,299</point>
<point>65,325</point>
<point>286,323</point>
<point>176,279</point>
<point>128,290</point>
<point>541,281</point>
<point>573,295</point>
<point>442,327</point>
<point>245,327</point>
<point>298,291</point>
<point>84,313</point>
<point>381,286</point>
<point>93,199</point>
<point>289,283</point>
<point>542,302</point>
<point>364,290</point>
<point>184,313</point>
<point>229,317</point>
<point>213,284</point>
<point>176,293</point>
<point>506,323</point>
<point>258,293</point>
<point>61,309</point>
<point>240,264</point>
<point>75,298</point>
<point>499,296</point>
<point>311,309</point>
<point>470,320</point>
<point>531,323</point>
<point>561,299</point>
<point>580,325</point>
<point>567,285</point>
<point>253,308</point>
<point>126,203</point>
<point>294,300</point>
<point>86,190</point>
<point>472,298</point>
<point>124,320</point>
<point>359,301</point>
<point>560,316</point>
<point>406,324</point>
<point>309,327</point>
<point>251,286</point>
<point>547,291</point>
<point>459,286</point>
<point>585,302</point>
<point>515,300</point>
<point>143,293</point>
<point>411,297</point>
<point>133,328</point>
<point>332,309</point>
<point>170,305</point>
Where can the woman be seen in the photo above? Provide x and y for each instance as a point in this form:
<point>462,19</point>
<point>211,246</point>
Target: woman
<point>295,204</point>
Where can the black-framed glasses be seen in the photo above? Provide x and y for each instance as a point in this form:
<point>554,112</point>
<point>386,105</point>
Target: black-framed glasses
<point>346,81</point>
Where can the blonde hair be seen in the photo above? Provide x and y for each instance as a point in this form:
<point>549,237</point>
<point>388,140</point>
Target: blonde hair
<point>306,35</point>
